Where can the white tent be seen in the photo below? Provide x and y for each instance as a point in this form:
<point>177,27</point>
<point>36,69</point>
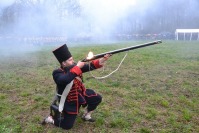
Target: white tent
<point>187,31</point>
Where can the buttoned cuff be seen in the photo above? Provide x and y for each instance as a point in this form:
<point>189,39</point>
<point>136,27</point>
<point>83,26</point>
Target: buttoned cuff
<point>76,70</point>
<point>96,63</point>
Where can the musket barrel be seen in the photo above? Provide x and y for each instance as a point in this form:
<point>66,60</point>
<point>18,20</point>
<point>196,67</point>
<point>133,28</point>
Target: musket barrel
<point>122,50</point>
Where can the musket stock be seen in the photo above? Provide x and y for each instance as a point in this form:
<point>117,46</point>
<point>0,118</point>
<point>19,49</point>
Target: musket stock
<point>122,50</point>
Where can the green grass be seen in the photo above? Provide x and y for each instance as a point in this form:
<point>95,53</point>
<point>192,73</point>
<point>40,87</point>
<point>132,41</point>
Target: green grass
<point>155,90</point>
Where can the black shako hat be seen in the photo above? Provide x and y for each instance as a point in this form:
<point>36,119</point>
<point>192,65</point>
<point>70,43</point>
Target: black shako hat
<point>62,53</point>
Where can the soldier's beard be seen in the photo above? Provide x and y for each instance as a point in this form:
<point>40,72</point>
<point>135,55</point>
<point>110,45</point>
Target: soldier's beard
<point>70,66</point>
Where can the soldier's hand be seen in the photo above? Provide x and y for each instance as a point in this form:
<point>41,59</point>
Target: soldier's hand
<point>80,64</point>
<point>105,58</point>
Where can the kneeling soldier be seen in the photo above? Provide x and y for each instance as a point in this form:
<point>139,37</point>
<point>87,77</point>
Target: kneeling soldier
<point>69,78</point>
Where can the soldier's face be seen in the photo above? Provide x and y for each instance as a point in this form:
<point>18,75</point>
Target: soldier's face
<point>68,62</point>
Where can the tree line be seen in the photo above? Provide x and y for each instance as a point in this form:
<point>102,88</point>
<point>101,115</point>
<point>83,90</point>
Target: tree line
<point>162,16</point>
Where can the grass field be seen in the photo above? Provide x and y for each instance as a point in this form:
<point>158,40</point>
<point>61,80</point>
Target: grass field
<point>155,90</point>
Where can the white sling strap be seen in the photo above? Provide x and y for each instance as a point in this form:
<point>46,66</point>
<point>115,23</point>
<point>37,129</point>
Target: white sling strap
<point>64,95</point>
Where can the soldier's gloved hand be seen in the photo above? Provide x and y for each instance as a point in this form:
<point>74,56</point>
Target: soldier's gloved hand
<point>104,59</point>
<point>80,64</point>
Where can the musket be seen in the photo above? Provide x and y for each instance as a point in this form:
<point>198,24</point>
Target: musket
<point>121,50</point>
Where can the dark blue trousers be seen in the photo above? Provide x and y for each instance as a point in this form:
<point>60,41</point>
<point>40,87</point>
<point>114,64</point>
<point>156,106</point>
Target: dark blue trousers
<point>68,120</point>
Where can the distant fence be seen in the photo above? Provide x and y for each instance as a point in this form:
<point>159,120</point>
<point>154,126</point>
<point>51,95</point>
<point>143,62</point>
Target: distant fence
<point>32,40</point>
<point>163,35</point>
<point>42,40</point>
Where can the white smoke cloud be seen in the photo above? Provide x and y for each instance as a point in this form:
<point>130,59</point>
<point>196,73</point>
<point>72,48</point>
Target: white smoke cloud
<point>98,18</point>
<point>103,14</point>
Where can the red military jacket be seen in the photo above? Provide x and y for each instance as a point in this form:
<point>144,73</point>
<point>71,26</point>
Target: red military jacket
<point>76,96</point>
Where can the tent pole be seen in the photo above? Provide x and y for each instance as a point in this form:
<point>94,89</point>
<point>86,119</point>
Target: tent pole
<point>191,36</point>
<point>184,36</point>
